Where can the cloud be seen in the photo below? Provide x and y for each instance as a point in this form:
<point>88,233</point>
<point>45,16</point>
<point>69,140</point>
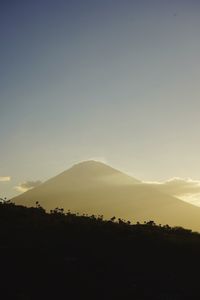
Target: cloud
<point>191,198</point>
<point>177,186</point>
<point>27,185</point>
<point>5,178</point>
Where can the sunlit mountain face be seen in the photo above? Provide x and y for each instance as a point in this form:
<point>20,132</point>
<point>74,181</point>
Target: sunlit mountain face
<point>94,188</point>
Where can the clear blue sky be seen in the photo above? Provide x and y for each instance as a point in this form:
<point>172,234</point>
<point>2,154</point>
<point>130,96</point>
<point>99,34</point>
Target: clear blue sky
<point>111,80</point>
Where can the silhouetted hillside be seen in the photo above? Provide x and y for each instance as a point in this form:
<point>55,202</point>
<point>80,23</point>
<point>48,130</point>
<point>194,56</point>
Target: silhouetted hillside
<point>65,256</point>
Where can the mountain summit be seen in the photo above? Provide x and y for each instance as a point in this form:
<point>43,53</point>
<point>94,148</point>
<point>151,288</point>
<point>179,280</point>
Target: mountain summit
<point>93,187</point>
<point>93,165</point>
<point>94,172</point>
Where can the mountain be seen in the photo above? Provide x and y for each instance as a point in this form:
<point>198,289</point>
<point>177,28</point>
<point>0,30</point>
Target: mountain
<point>94,188</point>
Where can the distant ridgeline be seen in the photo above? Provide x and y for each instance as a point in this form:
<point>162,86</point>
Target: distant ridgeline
<point>60,255</point>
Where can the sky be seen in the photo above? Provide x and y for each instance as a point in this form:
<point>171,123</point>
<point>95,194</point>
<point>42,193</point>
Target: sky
<point>116,81</point>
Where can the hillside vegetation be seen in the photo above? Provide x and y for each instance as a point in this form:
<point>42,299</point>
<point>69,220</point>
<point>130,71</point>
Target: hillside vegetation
<point>61,255</point>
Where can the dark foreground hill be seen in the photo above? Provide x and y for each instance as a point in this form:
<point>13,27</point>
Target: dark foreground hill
<point>65,256</point>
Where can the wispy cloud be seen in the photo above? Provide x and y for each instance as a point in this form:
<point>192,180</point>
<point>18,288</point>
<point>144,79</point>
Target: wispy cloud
<point>177,186</point>
<point>27,185</point>
<point>5,178</point>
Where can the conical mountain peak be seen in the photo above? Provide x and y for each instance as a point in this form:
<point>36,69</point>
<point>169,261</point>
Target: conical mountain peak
<point>95,188</point>
<point>94,167</point>
<point>91,170</point>
<point>90,164</point>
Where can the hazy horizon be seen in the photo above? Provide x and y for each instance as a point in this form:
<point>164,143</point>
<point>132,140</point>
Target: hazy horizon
<point>115,81</point>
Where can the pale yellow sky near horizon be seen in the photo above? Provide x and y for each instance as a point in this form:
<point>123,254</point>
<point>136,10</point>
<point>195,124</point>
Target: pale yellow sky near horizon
<point>114,80</point>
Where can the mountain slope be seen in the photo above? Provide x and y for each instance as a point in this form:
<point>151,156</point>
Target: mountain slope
<point>95,188</point>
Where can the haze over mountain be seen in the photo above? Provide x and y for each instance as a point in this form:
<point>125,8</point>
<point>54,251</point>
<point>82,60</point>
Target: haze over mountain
<point>94,188</point>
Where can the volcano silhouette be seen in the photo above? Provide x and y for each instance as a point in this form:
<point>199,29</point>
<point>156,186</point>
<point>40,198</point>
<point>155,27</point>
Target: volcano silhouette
<point>94,188</point>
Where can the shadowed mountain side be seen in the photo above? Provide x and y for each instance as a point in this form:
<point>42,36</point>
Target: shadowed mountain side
<point>95,188</point>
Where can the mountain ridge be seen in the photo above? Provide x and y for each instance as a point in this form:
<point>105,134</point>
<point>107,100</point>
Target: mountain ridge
<point>95,188</point>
